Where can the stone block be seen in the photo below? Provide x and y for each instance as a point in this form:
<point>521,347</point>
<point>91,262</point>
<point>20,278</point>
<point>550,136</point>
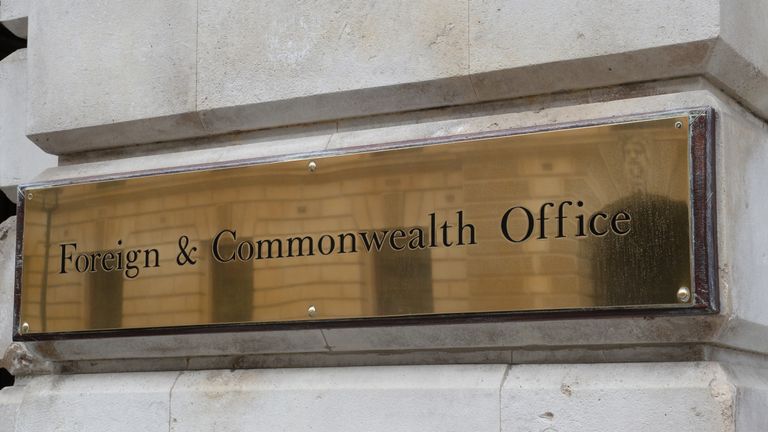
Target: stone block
<point>425,398</point>
<point>508,35</point>
<point>250,79</point>
<point>97,402</point>
<point>13,9</point>
<point>94,70</point>
<point>749,374</point>
<point>10,399</point>
<point>175,71</point>
<point>21,159</point>
<point>586,44</point>
<point>743,251</point>
<point>14,16</point>
<point>683,397</point>
<point>740,77</point>
<point>743,28</point>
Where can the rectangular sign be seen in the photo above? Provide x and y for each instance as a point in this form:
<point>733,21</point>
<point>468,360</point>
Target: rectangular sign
<point>592,218</point>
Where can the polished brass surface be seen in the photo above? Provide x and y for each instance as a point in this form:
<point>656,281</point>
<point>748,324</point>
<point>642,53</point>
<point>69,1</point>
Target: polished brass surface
<point>463,221</point>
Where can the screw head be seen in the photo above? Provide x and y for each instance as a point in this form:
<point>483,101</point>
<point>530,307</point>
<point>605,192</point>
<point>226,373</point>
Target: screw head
<point>684,294</point>
<point>29,195</point>
<point>678,125</point>
<point>24,328</point>
<point>312,166</point>
<point>312,310</point>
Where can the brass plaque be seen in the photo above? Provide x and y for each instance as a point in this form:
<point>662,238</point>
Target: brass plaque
<point>587,218</point>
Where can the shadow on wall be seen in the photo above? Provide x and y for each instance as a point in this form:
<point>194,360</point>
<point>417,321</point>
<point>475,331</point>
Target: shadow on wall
<point>9,42</point>
<point>7,207</point>
<point>652,262</point>
<point>6,379</point>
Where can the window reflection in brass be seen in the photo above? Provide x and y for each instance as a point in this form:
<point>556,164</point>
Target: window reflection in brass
<point>318,224</point>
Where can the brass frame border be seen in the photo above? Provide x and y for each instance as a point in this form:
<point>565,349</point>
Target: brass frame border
<point>701,146</point>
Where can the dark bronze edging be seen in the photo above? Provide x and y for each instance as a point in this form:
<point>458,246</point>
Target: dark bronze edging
<point>704,251</point>
<point>19,250</point>
<point>704,209</point>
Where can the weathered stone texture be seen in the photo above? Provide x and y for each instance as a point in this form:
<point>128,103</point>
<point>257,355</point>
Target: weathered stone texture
<point>178,70</point>
<point>629,397</point>
<point>21,159</point>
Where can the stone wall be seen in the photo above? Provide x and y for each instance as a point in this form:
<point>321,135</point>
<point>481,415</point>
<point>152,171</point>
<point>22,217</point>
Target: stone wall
<point>121,87</point>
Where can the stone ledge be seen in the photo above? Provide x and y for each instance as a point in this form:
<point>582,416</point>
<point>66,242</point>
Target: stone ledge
<point>697,396</point>
<point>444,398</point>
<point>468,53</point>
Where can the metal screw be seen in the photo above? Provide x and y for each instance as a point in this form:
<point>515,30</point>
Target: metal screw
<point>24,328</point>
<point>29,196</point>
<point>312,166</point>
<point>684,294</point>
<point>312,310</point>
<point>678,125</point>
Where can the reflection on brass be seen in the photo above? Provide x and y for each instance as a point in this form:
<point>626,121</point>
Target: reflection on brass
<point>593,217</point>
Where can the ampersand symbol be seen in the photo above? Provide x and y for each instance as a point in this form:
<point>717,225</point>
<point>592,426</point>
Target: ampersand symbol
<point>185,256</point>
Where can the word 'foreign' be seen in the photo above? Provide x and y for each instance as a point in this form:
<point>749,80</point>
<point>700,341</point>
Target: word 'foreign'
<point>113,260</point>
